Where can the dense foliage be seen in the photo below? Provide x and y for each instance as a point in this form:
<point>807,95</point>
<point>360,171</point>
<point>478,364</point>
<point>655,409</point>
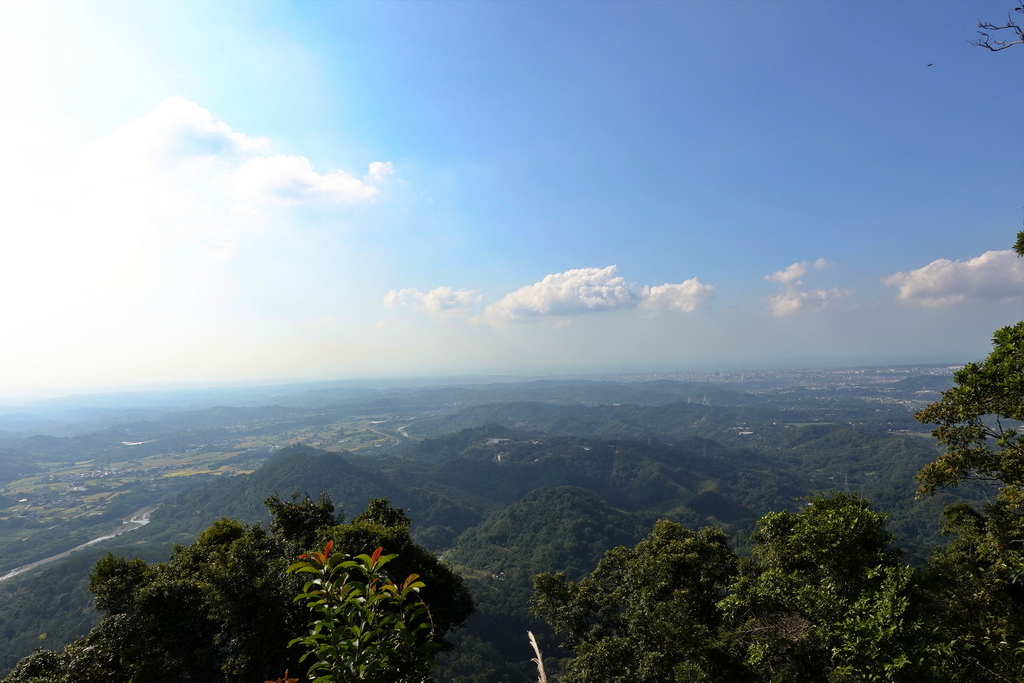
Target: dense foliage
<point>980,574</point>
<point>223,608</point>
<point>646,614</point>
<point>367,627</point>
<point>823,597</point>
<point>979,420</point>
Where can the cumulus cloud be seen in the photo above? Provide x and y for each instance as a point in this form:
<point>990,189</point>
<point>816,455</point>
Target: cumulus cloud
<point>192,180</point>
<point>795,300</point>
<point>795,297</point>
<point>442,301</point>
<point>379,170</point>
<point>177,130</point>
<point>291,180</point>
<point>687,296</point>
<point>575,291</point>
<point>790,275</point>
<point>154,211</point>
<point>180,141</point>
<point>585,290</point>
<point>559,295</point>
<point>994,275</point>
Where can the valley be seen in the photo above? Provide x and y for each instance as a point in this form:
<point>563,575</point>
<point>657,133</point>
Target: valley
<point>504,480</point>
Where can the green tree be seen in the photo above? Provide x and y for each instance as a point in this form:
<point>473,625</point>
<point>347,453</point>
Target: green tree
<point>826,598</point>
<point>300,522</point>
<point>87,660</point>
<point>369,628</point>
<point>646,614</point>
<point>382,525</point>
<point>222,609</point>
<point>978,579</point>
<point>979,576</point>
<point>215,612</point>
<point>978,420</point>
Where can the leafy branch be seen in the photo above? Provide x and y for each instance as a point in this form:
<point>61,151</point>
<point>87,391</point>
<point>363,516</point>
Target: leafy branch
<point>978,420</point>
<point>368,628</point>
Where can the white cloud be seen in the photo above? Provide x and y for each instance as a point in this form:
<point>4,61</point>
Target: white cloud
<point>687,296</point>
<point>791,274</point>
<point>174,132</point>
<point>147,217</point>
<point>442,301</point>
<point>794,297</point>
<point>584,290</point>
<point>994,275</point>
<point>218,251</point>
<point>290,180</point>
<point>181,143</point>
<point>570,293</point>
<point>380,170</point>
<point>795,300</point>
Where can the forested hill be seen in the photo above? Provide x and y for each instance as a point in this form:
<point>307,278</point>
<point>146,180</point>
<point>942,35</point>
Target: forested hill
<point>757,420</point>
<point>452,481</point>
<point>448,484</point>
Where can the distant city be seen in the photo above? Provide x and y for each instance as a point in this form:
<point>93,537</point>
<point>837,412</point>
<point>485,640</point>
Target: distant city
<point>809,378</point>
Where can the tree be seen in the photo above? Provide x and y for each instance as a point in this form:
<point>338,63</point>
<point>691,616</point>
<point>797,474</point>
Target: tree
<point>646,614</point>
<point>369,628</point>
<point>300,522</point>
<point>826,598</point>
<point>209,614</point>
<point>979,576</point>
<point>987,41</point>
<point>222,609</point>
<point>978,581</point>
<point>382,525</point>
<point>978,419</point>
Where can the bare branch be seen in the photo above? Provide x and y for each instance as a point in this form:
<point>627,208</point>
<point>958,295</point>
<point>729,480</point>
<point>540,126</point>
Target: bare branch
<point>990,43</point>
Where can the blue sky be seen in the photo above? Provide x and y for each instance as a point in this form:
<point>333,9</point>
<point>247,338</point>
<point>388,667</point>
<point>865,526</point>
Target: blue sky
<point>241,191</point>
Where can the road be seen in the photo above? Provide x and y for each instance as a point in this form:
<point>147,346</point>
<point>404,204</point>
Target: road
<point>137,519</point>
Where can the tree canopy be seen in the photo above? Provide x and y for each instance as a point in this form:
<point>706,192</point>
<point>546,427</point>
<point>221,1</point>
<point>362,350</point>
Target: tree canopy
<point>647,613</point>
<point>978,420</point>
<point>824,597</point>
<point>223,608</point>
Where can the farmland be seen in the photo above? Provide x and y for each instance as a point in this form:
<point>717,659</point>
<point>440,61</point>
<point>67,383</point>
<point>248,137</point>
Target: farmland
<point>78,488</point>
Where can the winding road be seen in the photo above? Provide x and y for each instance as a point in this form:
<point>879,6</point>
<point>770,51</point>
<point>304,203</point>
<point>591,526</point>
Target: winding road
<point>137,519</point>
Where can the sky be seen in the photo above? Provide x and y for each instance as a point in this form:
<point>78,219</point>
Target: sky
<point>213,192</point>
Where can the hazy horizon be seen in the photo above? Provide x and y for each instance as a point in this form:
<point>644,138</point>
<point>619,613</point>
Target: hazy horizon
<point>153,391</point>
